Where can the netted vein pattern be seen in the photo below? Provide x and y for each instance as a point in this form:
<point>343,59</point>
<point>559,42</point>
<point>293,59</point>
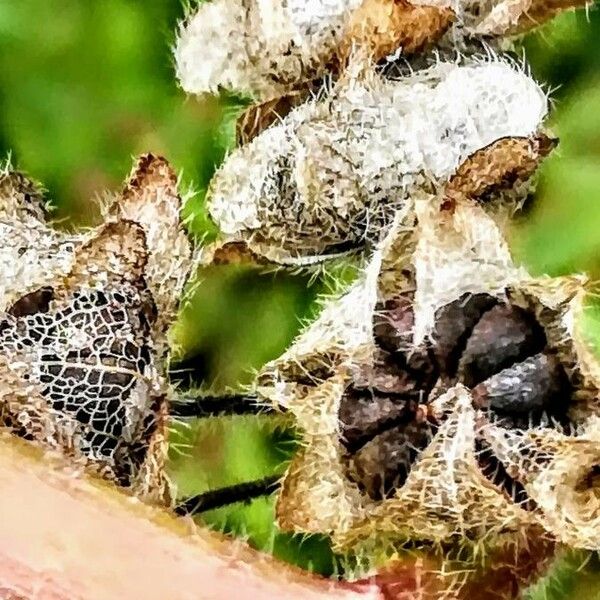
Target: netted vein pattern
<point>91,360</point>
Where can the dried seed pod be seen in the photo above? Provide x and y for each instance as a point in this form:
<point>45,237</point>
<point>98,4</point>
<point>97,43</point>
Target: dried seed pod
<point>258,48</point>
<point>151,199</point>
<point>87,344</point>
<point>267,49</point>
<point>334,172</point>
<point>460,483</point>
<point>88,355</point>
<point>482,341</point>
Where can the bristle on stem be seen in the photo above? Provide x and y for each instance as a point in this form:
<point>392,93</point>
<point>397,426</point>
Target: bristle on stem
<point>242,492</point>
<point>213,406</point>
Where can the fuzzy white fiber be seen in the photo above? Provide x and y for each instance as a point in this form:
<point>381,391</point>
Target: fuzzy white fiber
<point>258,47</point>
<point>264,48</point>
<point>334,171</point>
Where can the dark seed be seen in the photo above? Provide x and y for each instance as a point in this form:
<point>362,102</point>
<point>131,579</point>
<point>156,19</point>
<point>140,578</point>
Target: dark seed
<point>363,415</point>
<point>535,385</point>
<point>392,329</point>
<point>393,323</point>
<point>35,302</point>
<point>503,336</point>
<point>453,326</point>
<point>383,464</point>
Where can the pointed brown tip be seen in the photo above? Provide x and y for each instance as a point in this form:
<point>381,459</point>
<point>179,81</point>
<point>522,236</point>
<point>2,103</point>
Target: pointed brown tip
<point>150,170</point>
<point>546,144</point>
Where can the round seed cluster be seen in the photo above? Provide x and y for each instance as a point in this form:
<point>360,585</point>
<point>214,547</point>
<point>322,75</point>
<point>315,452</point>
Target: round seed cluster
<point>493,347</point>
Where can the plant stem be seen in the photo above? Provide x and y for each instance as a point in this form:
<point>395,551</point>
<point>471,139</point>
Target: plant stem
<point>213,406</point>
<point>242,492</point>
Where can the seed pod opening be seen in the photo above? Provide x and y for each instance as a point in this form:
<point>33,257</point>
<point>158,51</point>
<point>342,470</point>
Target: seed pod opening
<point>411,454</point>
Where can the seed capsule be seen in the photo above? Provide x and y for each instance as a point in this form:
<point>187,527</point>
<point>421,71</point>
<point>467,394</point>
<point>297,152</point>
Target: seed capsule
<point>267,47</point>
<point>498,349</point>
<point>335,171</point>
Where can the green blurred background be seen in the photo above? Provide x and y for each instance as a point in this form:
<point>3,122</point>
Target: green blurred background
<point>87,84</point>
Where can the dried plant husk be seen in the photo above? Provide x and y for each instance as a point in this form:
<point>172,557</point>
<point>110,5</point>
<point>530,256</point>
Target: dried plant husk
<point>329,177</point>
<point>270,48</point>
<point>438,256</point>
<point>510,17</point>
<point>31,253</point>
<point>83,343</point>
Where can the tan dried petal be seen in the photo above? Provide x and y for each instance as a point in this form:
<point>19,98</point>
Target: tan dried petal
<point>499,166</point>
<point>382,27</point>
<point>151,199</point>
